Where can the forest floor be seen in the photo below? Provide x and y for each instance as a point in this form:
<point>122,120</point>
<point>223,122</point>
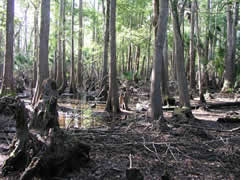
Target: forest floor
<point>196,148</point>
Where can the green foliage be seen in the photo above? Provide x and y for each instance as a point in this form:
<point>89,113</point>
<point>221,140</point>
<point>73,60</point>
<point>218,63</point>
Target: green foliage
<point>8,93</point>
<point>133,22</point>
<point>219,61</point>
<point>22,62</point>
<point>229,90</point>
<point>128,76</point>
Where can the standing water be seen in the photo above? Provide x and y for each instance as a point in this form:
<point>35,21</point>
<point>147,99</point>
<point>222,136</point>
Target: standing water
<point>75,113</point>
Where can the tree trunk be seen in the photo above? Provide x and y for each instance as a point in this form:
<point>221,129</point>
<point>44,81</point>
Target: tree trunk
<point>137,59</point>
<point>155,15</point>
<point>72,77</point>
<point>143,66</point>
<point>43,154</point>
<point>205,77</point>
<point>165,79</point>
<point>60,48</point>
<point>26,31</point>
<point>2,17</point>
<point>200,58</point>
<point>112,101</point>
<point>64,69</point>
<point>106,45</point>
<point>179,58</point>
<point>80,45</point>
<point>149,53</point>
<point>228,72</point>
<point>36,42</point>
<point>207,32</point>
<point>235,25</point>
<point>192,48</point>
<point>34,74</point>
<point>123,59</point>
<point>7,85</point>
<point>93,67</point>
<point>1,51</point>
<point>129,57</point>
<point>56,33</point>
<point>156,97</point>
<point>55,64</point>
<point>43,69</point>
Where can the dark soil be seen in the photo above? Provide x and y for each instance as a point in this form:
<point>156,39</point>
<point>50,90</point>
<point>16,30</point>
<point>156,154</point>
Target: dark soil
<point>198,148</point>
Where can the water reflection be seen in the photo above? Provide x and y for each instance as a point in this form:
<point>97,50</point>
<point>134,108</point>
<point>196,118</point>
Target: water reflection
<point>75,113</point>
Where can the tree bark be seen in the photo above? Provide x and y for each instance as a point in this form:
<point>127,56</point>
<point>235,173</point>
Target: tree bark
<point>64,69</point>
<point>179,58</point>
<point>112,101</point>
<point>36,42</point>
<point>26,30</point>
<point>143,67</point>
<point>72,77</point>
<point>192,48</point>
<point>200,59</point>
<point>80,45</point>
<point>43,69</point>
<point>156,97</point>
<point>106,45</point>
<point>60,48</point>
<point>137,59</point>
<point>55,64</point>
<point>93,65</point>
<point>165,79</point>
<point>229,64</point>
<point>43,154</point>
<point>235,25</point>
<point>7,85</point>
<point>129,57</point>
<point>149,53</point>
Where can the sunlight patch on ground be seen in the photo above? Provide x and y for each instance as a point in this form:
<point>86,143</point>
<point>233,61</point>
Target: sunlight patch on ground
<point>204,115</point>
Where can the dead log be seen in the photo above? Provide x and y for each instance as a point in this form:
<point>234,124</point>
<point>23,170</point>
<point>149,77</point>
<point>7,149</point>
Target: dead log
<point>229,119</point>
<point>207,106</point>
<point>45,151</point>
<point>224,104</point>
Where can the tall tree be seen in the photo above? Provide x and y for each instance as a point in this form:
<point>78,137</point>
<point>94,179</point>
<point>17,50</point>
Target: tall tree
<point>60,48</point>
<point>230,46</point>
<point>64,69</point>
<point>35,4</point>
<point>192,47</point>
<point>7,85</point>
<point>43,69</point>
<point>106,44</point>
<point>129,58</point>
<point>179,57</point>
<point>165,78</point>
<point>235,26</point>
<point>156,97</point>
<point>72,76</point>
<point>26,30</point>
<point>2,18</point>
<point>93,41</point>
<point>200,51</point>
<point>149,52</point>
<point>112,101</point>
<point>80,45</point>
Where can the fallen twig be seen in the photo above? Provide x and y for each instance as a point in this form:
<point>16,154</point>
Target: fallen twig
<point>156,153</point>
